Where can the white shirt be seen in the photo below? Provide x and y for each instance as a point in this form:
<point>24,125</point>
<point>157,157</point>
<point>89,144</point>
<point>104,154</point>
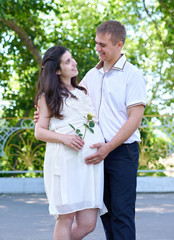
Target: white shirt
<point>113,92</point>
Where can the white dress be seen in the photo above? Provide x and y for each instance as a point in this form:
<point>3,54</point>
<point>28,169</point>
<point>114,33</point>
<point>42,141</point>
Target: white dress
<point>70,184</point>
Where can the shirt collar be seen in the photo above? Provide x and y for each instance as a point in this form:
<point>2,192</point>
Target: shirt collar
<point>119,65</point>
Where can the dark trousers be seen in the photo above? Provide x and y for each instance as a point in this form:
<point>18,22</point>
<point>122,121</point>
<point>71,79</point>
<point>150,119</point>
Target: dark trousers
<point>120,177</point>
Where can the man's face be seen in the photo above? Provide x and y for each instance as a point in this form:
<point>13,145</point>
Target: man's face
<point>108,52</point>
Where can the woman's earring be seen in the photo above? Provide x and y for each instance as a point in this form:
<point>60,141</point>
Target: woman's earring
<point>58,72</point>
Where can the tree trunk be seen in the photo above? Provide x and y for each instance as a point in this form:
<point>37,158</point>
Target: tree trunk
<point>25,39</point>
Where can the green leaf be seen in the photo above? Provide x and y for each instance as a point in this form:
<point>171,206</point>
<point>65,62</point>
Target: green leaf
<point>20,2</point>
<point>91,124</point>
<point>3,14</point>
<point>91,130</point>
<point>72,126</point>
<point>2,2</point>
<point>77,131</point>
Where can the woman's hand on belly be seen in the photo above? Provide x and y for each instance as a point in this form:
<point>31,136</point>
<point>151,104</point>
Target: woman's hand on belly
<point>72,141</point>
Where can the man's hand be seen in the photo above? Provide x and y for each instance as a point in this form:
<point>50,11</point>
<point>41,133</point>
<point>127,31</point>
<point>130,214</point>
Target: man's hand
<point>102,152</point>
<point>36,115</point>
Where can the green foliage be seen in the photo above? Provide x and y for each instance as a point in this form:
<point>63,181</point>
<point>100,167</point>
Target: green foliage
<point>72,24</point>
<point>156,44</point>
<point>29,27</point>
<point>153,147</point>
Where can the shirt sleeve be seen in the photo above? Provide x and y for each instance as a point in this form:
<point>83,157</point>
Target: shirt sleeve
<point>136,90</point>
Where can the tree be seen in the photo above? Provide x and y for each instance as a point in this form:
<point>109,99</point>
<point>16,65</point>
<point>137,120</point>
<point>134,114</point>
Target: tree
<point>28,28</point>
<point>20,32</point>
<point>158,43</point>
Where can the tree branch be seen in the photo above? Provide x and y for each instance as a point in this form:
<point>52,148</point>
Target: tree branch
<point>28,43</point>
<point>25,39</point>
<point>156,26</point>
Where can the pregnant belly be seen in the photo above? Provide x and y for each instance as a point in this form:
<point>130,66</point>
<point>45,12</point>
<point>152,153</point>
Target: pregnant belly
<point>90,139</point>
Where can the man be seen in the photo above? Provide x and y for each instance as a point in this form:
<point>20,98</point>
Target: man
<point>117,89</point>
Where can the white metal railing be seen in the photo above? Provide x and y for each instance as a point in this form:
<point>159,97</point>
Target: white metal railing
<point>27,152</point>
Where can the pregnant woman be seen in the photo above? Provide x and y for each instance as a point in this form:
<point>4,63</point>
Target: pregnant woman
<point>67,123</point>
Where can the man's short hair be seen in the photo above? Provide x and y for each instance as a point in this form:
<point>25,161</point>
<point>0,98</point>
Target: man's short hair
<point>115,28</point>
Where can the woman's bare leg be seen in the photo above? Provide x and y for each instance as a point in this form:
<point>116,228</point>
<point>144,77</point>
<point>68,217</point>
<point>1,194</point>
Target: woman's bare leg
<point>63,226</point>
<point>85,223</point>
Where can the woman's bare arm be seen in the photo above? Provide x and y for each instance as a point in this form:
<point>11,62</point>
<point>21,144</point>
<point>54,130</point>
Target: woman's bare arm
<point>44,134</point>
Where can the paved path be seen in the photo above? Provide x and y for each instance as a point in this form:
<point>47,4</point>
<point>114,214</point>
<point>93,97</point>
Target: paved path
<point>25,217</point>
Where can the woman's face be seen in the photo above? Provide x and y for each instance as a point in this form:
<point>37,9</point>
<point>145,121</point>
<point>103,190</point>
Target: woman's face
<point>68,67</point>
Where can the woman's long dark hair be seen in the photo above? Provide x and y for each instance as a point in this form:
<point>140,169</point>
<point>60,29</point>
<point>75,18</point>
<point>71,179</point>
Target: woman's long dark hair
<point>50,84</point>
